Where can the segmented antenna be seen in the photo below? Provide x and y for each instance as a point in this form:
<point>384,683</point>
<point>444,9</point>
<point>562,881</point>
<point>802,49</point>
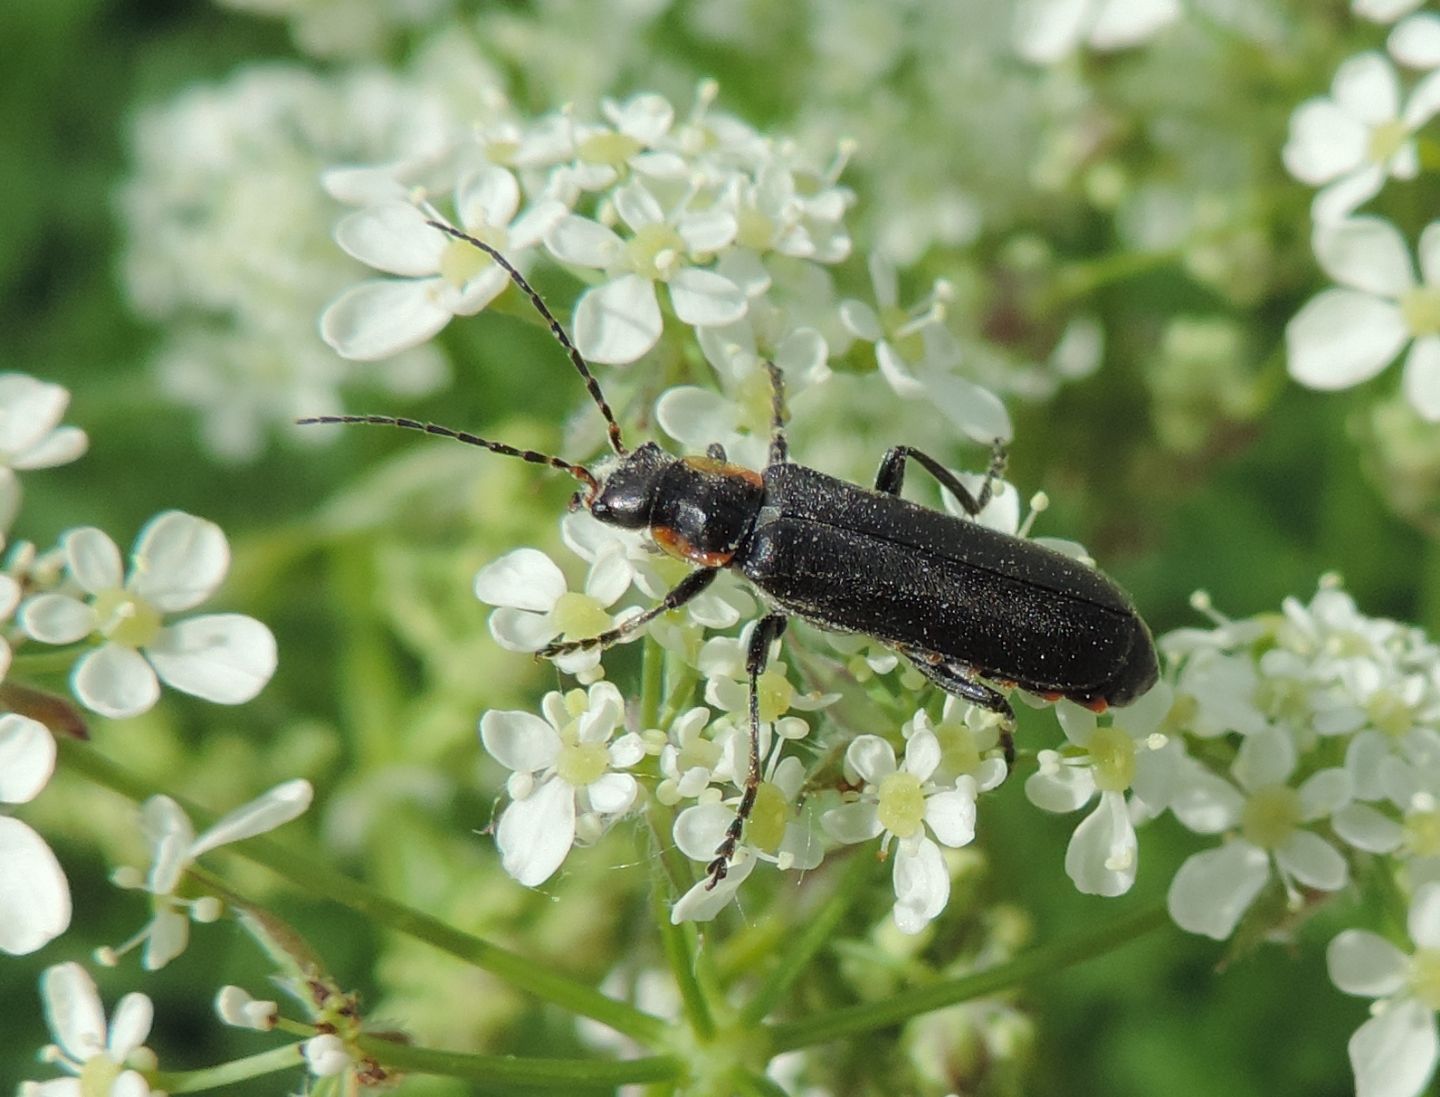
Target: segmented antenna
<point>584,475</point>
<point>555,329</point>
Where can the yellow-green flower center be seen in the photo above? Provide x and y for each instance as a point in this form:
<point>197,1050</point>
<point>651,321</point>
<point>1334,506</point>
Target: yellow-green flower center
<point>754,230</point>
<point>1270,816</point>
<point>461,261</point>
<point>1422,833</point>
<point>776,695</point>
<point>655,250</point>
<point>1386,140</point>
<point>766,828</point>
<point>125,619</point>
<point>959,753</point>
<point>1282,699</point>
<point>1112,757</point>
<point>608,148</point>
<point>98,1076</point>
<point>699,752</point>
<point>902,804</point>
<point>1421,309</point>
<point>581,763</point>
<point>1425,976</point>
<point>1389,713</point>
<point>578,615</point>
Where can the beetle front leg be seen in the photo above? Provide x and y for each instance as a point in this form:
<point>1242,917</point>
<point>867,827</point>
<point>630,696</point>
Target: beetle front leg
<point>891,476</point>
<point>953,680</point>
<point>770,628</point>
<point>684,591</point>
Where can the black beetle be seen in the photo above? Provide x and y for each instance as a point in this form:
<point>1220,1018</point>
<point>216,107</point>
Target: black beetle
<point>962,601</point>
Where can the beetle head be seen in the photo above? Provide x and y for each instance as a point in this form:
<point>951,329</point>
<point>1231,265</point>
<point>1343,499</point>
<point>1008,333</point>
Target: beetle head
<point>628,490</point>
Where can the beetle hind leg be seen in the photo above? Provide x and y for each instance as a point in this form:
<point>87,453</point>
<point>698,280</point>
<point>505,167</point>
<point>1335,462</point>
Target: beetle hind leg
<point>757,657</point>
<point>891,476</point>
<point>958,680</point>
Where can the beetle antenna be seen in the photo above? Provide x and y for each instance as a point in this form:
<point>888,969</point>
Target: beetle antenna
<point>580,472</point>
<point>555,329</point>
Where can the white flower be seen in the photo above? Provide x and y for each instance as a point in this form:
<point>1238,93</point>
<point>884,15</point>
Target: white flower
<point>1047,30</point>
<point>563,786</point>
<point>1214,888</point>
<point>969,738</point>
<point>174,846</point>
<point>1120,757</point>
<point>34,894</point>
<point>442,277</point>
<point>535,605</point>
<point>1384,11</point>
<point>30,434</point>
<point>775,832</point>
<point>727,685</point>
<point>1394,1053</point>
<point>237,1006</point>
<point>105,1062</point>
<point>1415,42</point>
<point>326,1055</point>
<point>620,319</point>
<point>177,563</point>
<point>906,806</point>
<point>1347,335</point>
<point>1352,141</point>
<point>917,354</point>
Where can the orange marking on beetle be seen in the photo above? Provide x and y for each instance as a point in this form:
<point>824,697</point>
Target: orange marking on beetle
<point>723,468</point>
<point>1097,705</point>
<point>677,546</point>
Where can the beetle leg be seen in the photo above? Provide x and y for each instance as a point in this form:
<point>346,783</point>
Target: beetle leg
<point>891,476</point>
<point>770,628</point>
<point>685,590</point>
<point>779,447</point>
<point>953,679</point>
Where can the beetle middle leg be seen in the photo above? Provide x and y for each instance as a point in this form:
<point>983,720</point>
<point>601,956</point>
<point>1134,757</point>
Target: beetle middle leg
<point>770,628</point>
<point>952,679</point>
<point>683,592</point>
<point>891,476</point>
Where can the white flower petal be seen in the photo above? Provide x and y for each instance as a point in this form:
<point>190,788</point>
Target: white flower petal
<point>1348,193</point>
<point>1424,920</point>
<point>1047,30</point>
<point>1364,827</point>
<point>973,408</point>
<point>179,560</point>
<point>32,408</point>
<point>637,207</point>
<point>393,237</point>
<point>1393,1055</point>
<point>1215,887</point>
<point>1325,793</point>
<point>170,835</point>
<point>854,822</point>
<point>612,793</point>
<point>1325,142</point>
<point>699,829</point>
<point>72,1007</point>
<point>1421,379</point>
<point>1368,88</point>
<point>1205,802</point>
<point>61,446</point>
<point>617,322</point>
<point>1060,788</point>
<point>1422,105</point>
<point>27,758</point>
<point>523,579</point>
<point>922,754</point>
<point>34,894</point>
<point>519,741</point>
<point>535,834</point>
<point>922,886</point>
<point>222,657</point>
<point>93,559</point>
<point>584,242</point>
<point>1383,11</point>
<point>1365,253</point>
<point>703,298</point>
<point>56,618</point>
<point>166,938</point>
<point>695,416</point>
<point>131,1083</point>
<point>1416,41</point>
<point>1341,338</point>
<point>380,318</point>
<point>1103,854</point>
<point>521,630</point>
<point>1121,23</point>
<point>115,681</point>
<point>609,576</point>
<point>951,816</point>
<point>1313,861</point>
<point>274,808</point>
<point>130,1024</point>
<point>871,757</point>
<point>1366,964</point>
<point>702,902</point>
<point>488,197</point>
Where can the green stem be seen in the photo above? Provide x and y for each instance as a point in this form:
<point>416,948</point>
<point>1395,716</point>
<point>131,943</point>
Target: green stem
<point>652,667</point>
<point>679,942</point>
<point>497,1070</point>
<point>43,663</point>
<point>916,1001</point>
<point>800,949</point>
<point>317,878</point>
<point>237,1070</point>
